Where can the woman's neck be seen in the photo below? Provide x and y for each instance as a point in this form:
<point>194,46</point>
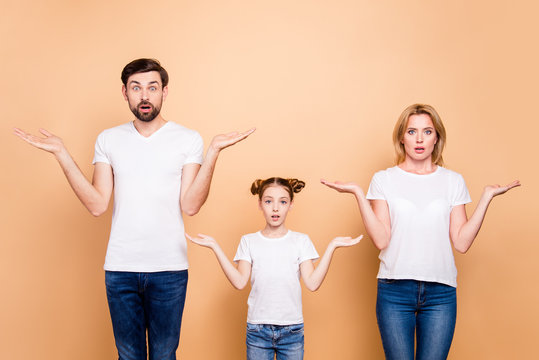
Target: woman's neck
<point>274,231</point>
<point>418,167</point>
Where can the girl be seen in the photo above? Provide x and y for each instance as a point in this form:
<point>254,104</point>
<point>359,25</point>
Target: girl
<point>274,258</point>
<point>416,211</point>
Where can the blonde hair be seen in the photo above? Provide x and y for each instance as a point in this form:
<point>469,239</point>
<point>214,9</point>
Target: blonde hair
<point>402,123</point>
<point>291,186</point>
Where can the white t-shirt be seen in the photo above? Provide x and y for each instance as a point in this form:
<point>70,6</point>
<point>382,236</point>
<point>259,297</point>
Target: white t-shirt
<point>275,296</point>
<point>147,233</point>
<point>419,208</point>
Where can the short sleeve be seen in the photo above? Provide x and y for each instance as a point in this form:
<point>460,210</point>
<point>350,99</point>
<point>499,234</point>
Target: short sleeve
<point>307,250</point>
<point>243,252</point>
<point>100,154</point>
<point>196,150</point>
<point>376,189</point>
<point>461,194</point>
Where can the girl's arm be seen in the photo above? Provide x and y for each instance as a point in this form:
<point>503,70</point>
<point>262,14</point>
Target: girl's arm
<point>313,278</point>
<point>375,214</point>
<point>463,231</point>
<point>239,276</point>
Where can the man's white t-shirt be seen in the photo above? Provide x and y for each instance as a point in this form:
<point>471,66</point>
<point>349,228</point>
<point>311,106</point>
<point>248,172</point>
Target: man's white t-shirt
<point>147,233</point>
<point>420,208</point>
<point>275,296</point>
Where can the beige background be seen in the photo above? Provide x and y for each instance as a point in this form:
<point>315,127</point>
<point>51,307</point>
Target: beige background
<point>324,82</point>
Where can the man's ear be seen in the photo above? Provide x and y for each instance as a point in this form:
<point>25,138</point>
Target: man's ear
<point>165,92</point>
<point>124,92</point>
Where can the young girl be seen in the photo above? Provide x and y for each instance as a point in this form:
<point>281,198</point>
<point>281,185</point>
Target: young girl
<point>274,258</point>
<point>416,211</point>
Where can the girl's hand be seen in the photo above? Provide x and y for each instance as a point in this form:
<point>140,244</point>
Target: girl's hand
<point>344,187</point>
<point>495,190</point>
<point>342,241</point>
<point>203,240</point>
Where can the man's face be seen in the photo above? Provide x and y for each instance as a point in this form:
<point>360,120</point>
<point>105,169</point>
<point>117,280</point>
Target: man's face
<point>144,93</point>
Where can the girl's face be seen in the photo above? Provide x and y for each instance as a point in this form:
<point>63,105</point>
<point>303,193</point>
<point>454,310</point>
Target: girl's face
<point>275,204</point>
<point>419,138</point>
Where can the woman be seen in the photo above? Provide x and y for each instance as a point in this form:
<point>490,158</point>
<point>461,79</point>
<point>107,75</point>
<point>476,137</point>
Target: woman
<point>413,212</point>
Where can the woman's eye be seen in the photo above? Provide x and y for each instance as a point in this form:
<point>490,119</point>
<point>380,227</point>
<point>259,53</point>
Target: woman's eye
<point>428,132</point>
<point>283,202</point>
<point>411,132</point>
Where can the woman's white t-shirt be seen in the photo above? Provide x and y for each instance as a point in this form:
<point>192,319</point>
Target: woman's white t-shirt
<point>275,296</point>
<point>420,208</point>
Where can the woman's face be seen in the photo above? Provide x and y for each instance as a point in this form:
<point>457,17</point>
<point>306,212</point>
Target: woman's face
<point>419,138</point>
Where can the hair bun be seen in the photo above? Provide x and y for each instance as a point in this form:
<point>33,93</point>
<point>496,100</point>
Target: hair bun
<point>296,185</point>
<point>255,187</point>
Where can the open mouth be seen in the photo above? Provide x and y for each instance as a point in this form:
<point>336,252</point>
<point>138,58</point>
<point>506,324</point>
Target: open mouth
<point>145,108</point>
<point>275,217</point>
<point>419,149</point>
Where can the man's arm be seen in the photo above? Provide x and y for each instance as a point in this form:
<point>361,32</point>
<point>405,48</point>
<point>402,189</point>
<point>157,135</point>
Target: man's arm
<point>196,179</point>
<point>95,196</point>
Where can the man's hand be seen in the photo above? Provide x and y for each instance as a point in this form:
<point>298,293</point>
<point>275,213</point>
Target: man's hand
<point>223,141</point>
<point>50,142</point>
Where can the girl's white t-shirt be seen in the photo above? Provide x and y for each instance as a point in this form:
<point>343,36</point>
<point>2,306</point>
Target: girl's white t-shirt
<point>275,296</point>
<point>420,208</point>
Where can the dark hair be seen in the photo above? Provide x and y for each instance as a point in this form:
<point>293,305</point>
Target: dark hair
<point>291,185</point>
<point>142,66</point>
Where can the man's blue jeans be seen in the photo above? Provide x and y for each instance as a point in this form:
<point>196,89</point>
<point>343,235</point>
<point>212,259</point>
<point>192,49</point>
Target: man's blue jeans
<point>152,302</point>
<point>409,308</point>
<point>266,341</point>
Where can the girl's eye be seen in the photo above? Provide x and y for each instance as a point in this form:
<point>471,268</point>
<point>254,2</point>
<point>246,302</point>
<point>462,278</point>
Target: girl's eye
<point>428,132</point>
<point>283,202</point>
<point>267,201</point>
<point>411,132</point>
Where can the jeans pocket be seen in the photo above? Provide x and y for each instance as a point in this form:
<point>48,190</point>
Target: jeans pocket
<point>253,327</point>
<point>296,329</point>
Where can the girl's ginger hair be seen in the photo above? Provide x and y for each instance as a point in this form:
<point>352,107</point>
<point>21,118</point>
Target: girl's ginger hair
<point>291,185</point>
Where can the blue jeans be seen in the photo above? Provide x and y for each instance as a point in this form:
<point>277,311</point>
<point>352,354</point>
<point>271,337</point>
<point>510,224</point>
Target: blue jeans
<point>152,302</point>
<point>409,308</point>
<point>266,341</point>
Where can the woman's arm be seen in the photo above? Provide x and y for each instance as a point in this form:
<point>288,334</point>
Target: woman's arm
<point>239,276</point>
<point>463,231</point>
<point>313,278</point>
<point>375,214</point>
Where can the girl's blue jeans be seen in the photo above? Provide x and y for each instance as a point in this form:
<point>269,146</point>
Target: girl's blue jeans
<point>410,311</point>
<point>264,342</point>
<point>146,302</point>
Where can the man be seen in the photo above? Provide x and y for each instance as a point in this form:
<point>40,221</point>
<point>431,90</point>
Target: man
<point>157,171</point>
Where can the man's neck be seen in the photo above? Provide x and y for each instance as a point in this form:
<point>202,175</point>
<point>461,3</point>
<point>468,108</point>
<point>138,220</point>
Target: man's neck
<point>147,128</point>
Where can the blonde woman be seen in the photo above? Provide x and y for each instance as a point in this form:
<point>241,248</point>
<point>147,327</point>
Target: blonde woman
<point>413,213</point>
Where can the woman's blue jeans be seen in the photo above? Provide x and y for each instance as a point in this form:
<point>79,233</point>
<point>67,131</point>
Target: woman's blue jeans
<point>266,341</point>
<point>408,309</point>
<point>146,302</point>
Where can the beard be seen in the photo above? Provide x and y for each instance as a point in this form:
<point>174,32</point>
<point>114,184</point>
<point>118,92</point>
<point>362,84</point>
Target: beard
<point>146,117</point>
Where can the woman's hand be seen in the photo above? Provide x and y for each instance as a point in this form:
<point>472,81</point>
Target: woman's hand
<point>495,190</point>
<point>344,187</point>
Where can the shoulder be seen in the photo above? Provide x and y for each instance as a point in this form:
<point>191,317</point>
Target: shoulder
<point>450,174</point>
<point>116,130</point>
<point>250,237</point>
<point>180,129</point>
<point>297,236</point>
